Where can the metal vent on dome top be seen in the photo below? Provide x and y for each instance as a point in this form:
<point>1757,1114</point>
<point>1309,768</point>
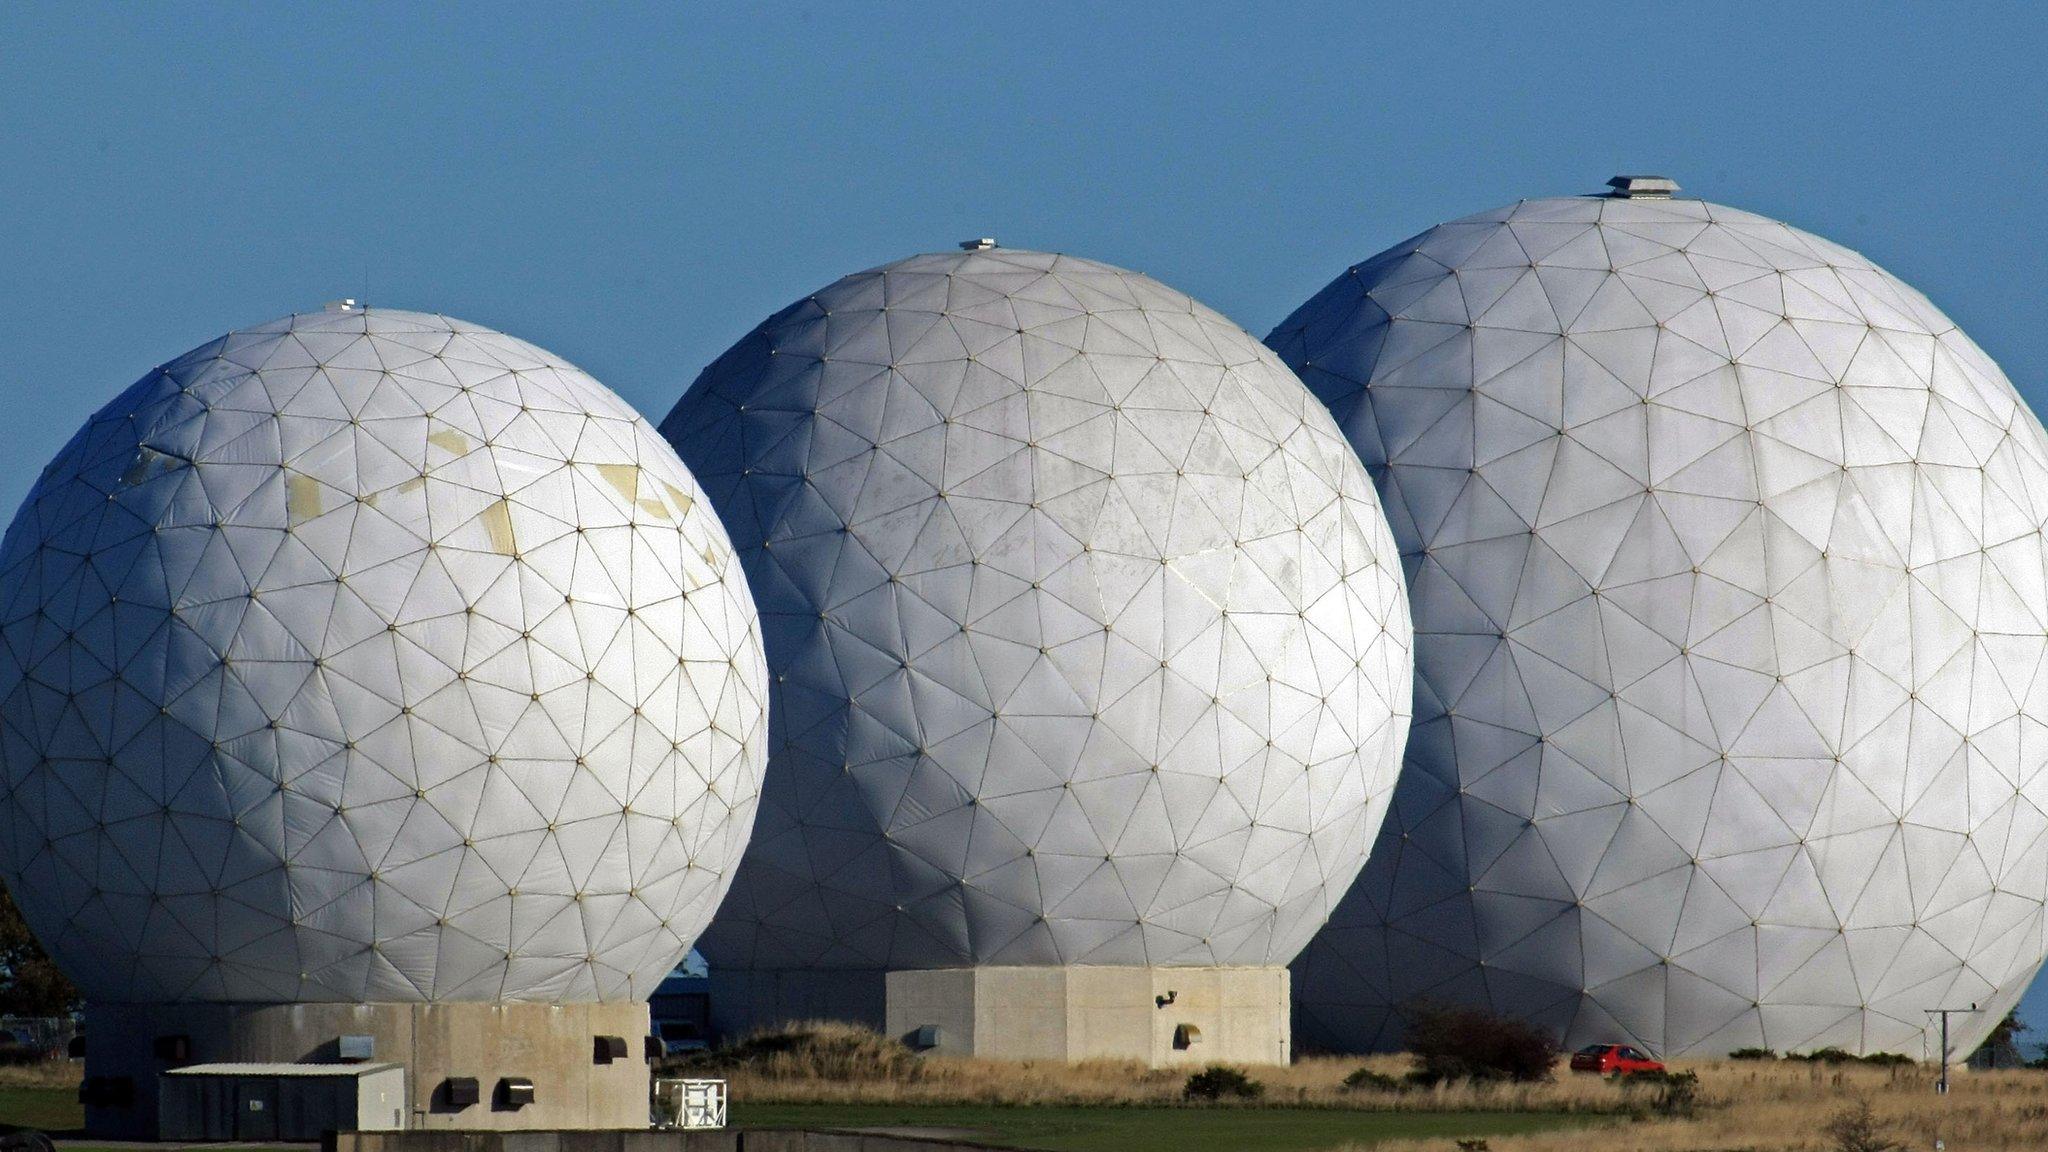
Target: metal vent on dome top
<point>1643,187</point>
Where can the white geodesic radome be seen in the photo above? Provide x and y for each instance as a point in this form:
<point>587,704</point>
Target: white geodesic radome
<point>1728,579</point>
<point>372,656</point>
<point>1087,638</point>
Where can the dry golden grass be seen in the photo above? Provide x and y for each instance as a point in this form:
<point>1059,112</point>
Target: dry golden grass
<point>1744,1106</point>
<point>53,1073</point>
<point>1783,1107</point>
<point>818,1062</point>
<point>1315,1082</point>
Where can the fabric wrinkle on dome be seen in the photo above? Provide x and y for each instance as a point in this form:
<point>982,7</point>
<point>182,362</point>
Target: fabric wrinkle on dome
<point>372,656</point>
<point>1088,647</point>
<point>1727,572</point>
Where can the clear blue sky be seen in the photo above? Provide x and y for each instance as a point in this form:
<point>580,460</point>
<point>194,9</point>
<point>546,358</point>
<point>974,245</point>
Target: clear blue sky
<point>634,187</point>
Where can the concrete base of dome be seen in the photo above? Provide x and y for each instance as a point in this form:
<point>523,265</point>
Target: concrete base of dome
<point>578,1081</point>
<point>1158,1016</point>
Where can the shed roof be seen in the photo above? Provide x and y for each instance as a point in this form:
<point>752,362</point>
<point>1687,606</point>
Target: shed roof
<point>351,1070</point>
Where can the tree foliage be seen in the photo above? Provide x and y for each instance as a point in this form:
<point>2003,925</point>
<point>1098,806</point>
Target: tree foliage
<point>2004,1038</point>
<point>30,982</point>
<point>1451,1043</point>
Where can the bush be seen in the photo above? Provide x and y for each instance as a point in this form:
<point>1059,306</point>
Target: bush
<point>30,984</point>
<point>1676,1093</point>
<point>1472,1044</point>
<point>1828,1055</point>
<point>812,1050</point>
<point>1753,1054</point>
<point>1832,1055</point>
<point>1218,1081</point>
<point>1367,1080</point>
<point>1857,1130</point>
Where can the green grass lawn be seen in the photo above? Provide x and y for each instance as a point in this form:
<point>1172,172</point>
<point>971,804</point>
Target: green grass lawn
<point>58,1112</point>
<point>1156,1129</point>
<point>53,1110</point>
<point>1068,1129</point>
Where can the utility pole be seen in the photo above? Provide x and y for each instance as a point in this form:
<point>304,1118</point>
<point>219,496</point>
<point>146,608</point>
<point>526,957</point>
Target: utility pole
<point>1941,1085</point>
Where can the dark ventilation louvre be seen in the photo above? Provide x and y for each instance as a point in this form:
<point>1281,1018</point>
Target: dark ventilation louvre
<point>652,1048</point>
<point>107,1092</point>
<point>460,1091</point>
<point>173,1049</point>
<point>515,1092</point>
<point>606,1049</point>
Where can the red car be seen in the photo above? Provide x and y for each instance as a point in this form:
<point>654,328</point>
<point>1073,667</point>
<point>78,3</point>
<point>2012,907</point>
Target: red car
<point>1614,1059</point>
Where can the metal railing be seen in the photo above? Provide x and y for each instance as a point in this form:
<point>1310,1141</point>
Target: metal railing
<point>689,1104</point>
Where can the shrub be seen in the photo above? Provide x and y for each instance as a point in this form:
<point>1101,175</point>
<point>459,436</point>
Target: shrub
<point>1833,1055</point>
<point>1471,1044</point>
<point>1675,1093</point>
<point>811,1050</point>
<point>1856,1130</point>
<point>1828,1055</point>
<point>1753,1054</point>
<point>1367,1080</point>
<point>1218,1081</point>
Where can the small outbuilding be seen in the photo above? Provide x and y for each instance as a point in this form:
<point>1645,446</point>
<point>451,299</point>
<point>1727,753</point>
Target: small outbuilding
<point>279,1101</point>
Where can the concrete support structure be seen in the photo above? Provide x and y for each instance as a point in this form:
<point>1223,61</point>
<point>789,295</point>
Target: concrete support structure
<point>578,1081</point>
<point>1159,1016</point>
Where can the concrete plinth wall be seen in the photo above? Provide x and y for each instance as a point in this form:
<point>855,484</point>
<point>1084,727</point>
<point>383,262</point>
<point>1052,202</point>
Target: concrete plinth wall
<point>1161,1016</point>
<point>553,1045</point>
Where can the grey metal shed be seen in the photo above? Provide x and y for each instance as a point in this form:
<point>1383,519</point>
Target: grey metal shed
<point>279,1101</point>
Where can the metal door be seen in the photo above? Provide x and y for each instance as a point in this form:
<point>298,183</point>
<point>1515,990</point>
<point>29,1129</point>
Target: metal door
<point>255,1109</point>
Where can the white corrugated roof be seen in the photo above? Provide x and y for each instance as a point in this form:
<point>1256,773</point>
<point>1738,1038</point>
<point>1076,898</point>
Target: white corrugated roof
<point>280,1069</point>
